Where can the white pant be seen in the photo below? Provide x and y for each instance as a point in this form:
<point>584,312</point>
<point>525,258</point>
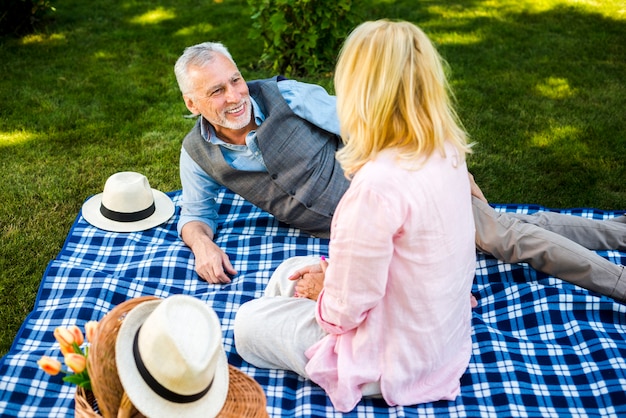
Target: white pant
<point>274,331</point>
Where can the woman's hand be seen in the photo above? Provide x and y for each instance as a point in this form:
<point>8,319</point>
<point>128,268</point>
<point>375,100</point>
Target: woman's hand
<point>310,280</point>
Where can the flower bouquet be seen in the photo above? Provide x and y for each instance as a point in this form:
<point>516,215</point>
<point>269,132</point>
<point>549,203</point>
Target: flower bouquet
<point>71,342</point>
<point>71,339</point>
<point>99,392</point>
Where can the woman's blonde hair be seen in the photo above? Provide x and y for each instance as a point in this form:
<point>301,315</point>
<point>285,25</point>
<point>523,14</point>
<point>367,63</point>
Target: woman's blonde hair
<point>392,91</point>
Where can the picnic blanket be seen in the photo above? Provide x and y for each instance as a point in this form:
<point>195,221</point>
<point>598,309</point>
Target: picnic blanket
<point>541,346</point>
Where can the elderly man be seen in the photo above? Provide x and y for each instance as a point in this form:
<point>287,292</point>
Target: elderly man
<point>273,142</point>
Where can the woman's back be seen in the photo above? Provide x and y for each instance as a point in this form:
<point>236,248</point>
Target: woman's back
<point>396,297</point>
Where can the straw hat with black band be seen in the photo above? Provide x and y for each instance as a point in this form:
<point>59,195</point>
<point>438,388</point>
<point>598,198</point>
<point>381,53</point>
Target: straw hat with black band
<point>171,362</point>
<point>128,204</point>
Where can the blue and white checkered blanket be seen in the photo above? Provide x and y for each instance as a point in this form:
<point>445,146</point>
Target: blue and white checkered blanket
<point>541,347</point>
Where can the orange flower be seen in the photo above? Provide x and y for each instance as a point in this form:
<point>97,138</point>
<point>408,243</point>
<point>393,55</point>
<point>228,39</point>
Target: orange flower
<point>90,330</point>
<point>67,337</point>
<point>66,349</point>
<point>49,365</point>
<point>64,337</point>
<point>76,362</point>
<point>78,335</point>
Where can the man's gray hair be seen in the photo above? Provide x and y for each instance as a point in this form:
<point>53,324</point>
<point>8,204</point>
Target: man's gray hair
<point>197,55</point>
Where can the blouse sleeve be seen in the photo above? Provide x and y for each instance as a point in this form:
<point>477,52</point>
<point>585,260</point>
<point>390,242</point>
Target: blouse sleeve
<point>360,251</point>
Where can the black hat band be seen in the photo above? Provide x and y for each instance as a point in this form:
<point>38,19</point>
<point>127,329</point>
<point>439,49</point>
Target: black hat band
<point>127,216</point>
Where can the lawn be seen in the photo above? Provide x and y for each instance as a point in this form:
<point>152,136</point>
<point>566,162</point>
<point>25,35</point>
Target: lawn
<point>540,86</point>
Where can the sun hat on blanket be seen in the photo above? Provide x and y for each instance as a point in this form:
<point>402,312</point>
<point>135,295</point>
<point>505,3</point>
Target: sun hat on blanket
<point>128,204</point>
<point>171,362</point>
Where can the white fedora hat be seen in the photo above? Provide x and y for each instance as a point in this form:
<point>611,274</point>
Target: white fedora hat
<point>170,358</point>
<point>128,204</point>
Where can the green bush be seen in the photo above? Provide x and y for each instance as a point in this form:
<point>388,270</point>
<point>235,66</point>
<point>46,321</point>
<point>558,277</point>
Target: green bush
<point>19,17</point>
<point>300,37</point>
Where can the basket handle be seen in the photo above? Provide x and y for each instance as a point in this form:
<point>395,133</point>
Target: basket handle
<point>126,408</point>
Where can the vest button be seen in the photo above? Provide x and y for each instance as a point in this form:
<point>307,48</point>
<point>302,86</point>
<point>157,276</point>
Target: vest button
<point>274,176</point>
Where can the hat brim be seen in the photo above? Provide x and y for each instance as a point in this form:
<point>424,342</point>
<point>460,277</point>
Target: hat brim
<point>142,396</point>
<point>164,209</point>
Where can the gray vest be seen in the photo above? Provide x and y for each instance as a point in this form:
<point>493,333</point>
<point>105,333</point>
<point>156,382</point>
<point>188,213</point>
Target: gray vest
<point>303,182</point>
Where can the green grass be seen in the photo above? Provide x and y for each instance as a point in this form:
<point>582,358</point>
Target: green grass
<point>539,83</point>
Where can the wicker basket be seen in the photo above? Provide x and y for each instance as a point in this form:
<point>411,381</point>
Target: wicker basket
<point>245,397</point>
<point>249,401</point>
<point>86,406</point>
<point>107,388</point>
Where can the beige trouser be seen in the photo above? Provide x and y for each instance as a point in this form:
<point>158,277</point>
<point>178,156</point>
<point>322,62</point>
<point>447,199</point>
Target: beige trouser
<point>274,331</point>
<point>557,244</point>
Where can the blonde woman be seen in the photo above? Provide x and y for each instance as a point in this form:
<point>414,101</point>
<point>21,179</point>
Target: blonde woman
<point>393,316</point>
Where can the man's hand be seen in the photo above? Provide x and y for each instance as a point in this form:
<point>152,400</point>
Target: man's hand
<point>476,190</point>
<point>212,264</point>
<point>310,280</point>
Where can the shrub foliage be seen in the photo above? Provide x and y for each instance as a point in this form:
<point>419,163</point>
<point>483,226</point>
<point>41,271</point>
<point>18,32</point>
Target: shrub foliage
<point>19,17</point>
<point>300,37</point>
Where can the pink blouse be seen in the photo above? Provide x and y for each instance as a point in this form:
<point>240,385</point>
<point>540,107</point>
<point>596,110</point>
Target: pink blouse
<point>396,298</point>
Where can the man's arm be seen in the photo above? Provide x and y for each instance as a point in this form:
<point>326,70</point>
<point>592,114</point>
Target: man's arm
<point>312,103</point>
<point>198,220</point>
<point>476,190</point>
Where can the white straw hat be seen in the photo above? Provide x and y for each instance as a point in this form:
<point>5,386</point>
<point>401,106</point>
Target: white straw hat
<point>128,204</point>
<point>170,358</point>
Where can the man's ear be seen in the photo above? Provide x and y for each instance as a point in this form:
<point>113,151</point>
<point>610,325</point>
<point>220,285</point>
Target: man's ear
<point>190,105</point>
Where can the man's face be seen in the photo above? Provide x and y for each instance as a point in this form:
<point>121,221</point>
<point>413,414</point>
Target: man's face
<point>221,95</point>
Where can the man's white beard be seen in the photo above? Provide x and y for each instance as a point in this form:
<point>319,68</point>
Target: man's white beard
<point>242,121</point>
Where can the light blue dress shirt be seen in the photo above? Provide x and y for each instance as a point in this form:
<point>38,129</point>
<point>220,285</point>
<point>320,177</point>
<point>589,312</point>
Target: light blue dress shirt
<point>309,101</point>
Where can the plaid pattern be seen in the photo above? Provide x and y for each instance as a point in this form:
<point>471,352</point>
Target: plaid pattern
<point>541,347</point>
